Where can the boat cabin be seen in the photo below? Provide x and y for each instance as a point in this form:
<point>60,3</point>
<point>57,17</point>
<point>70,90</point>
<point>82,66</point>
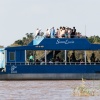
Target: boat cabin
<point>51,55</point>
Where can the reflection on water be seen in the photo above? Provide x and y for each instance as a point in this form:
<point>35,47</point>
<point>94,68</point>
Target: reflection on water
<point>45,90</point>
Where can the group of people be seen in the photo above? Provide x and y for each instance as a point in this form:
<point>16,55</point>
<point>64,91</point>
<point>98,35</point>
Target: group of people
<point>62,32</point>
<point>57,60</point>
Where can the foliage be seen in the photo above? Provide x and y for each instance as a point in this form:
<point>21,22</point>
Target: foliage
<point>1,46</point>
<point>25,40</point>
<point>84,90</point>
<point>94,39</point>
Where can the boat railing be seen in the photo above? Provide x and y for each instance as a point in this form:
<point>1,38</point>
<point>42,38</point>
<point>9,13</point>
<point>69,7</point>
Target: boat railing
<point>52,63</point>
<point>64,36</point>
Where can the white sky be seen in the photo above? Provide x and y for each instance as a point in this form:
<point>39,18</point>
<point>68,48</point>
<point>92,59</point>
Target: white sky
<point>18,17</point>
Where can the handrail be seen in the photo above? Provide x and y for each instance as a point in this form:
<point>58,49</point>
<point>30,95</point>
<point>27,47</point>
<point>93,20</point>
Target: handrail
<point>52,63</point>
<point>75,36</point>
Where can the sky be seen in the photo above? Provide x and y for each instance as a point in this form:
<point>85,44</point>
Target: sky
<point>18,17</point>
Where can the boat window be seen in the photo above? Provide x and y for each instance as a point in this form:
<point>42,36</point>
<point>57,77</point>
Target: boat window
<point>12,55</point>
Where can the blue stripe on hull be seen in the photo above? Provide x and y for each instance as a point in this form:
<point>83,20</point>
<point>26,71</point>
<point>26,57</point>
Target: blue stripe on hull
<point>53,69</point>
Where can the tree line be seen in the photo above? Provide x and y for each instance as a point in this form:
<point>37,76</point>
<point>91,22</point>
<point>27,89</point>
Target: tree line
<point>29,37</point>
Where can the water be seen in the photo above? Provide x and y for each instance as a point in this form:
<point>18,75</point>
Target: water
<point>45,90</point>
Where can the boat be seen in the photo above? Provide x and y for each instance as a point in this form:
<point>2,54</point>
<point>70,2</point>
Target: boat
<point>17,66</point>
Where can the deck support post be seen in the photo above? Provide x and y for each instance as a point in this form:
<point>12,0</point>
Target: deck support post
<point>34,52</point>
<point>85,56</point>
<point>25,57</point>
<point>65,57</point>
<point>45,57</point>
<point>15,57</point>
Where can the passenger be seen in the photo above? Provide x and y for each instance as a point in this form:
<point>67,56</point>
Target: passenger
<point>56,61</point>
<point>81,61</point>
<point>40,32</point>
<point>63,32</point>
<point>69,32</point>
<point>77,35</point>
<point>97,61</point>
<point>52,32</point>
<point>51,62</point>
<point>36,33</point>
<point>72,57</point>
<point>31,59</point>
<point>60,32</point>
<point>73,32</point>
<point>61,61</point>
<point>37,62</point>
<point>57,35</point>
<point>72,36</point>
<point>47,33</point>
<point>66,32</point>
<point>92,58</point>
<point>42,62</point>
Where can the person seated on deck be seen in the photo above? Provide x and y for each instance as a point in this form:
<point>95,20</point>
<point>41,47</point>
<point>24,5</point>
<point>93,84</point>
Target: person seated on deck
<point>37,62</point>
<point>56,61</point>
<point>61,62</point>
<point>58,58</point>
<point>81,61</point>
<point>92,58</point>
<point>42,62</point>
<point>51,62</point>
<point>31,59</point>
<point>97,61</point>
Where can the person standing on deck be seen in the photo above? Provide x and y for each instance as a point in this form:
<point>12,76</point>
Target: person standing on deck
<point>52,32</point>
<point>92,58</point>
<point>31,58</point>
<point>36,33</point>
<point>73,32</point>
<point>47,35</point>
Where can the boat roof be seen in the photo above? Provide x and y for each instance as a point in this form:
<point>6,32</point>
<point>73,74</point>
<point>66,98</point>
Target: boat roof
<point>58,44</point>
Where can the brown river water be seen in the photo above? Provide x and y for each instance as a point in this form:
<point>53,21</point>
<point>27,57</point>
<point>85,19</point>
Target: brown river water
<point>46,90</point>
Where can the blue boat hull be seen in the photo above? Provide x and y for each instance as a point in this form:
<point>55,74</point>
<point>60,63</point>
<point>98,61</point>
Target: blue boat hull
<point>31,72</point>
<point>52,69</point>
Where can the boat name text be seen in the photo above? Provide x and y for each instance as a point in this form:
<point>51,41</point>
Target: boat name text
<point>64,42</point>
